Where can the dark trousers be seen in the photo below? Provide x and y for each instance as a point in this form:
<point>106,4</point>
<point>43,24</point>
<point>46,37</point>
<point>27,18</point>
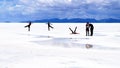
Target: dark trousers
<point>87,32</point>
<point>28,28</point>
<point>91,31</point>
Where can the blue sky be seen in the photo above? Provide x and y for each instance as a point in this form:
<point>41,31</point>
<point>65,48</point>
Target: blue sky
<point>18,10</point>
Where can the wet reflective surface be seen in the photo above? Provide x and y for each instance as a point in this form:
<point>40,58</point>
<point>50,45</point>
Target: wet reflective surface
<point>60,42</point>
<point>70,43</point>
<point>88,46</point>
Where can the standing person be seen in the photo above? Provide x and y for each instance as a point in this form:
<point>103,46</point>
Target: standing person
<point>28,26</point>
<point>49,26</point>
<point>91,29</point>
<point>87,29</point>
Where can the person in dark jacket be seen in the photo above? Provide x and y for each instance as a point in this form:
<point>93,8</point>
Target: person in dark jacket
<point>87,29</point>
<point>91,29</point>
<point>49,26</point>
<point>29,25</point>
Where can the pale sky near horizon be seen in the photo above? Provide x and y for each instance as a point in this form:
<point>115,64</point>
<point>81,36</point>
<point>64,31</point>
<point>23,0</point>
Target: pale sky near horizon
<point>18,10</point>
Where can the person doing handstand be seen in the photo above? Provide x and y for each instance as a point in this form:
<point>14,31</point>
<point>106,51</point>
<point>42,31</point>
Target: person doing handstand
<point>73,32</point>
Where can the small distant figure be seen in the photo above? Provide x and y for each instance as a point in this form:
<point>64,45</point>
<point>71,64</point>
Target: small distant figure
<point>91,29</point>
<point>49,26</point>
<point>29,25</point>
<point>74,32</point>
<point>87,29</point>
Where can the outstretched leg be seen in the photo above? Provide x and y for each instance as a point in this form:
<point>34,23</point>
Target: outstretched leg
<point>26,26</point>
<point>71,30</point>
<point>51,27</point>
<point>75,30</point>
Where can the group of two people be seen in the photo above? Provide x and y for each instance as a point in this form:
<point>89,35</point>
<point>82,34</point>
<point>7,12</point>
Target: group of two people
<point>89,29</point>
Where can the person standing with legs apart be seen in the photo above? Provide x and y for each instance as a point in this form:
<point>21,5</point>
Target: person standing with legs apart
<point>91,29</point>
<point>28,26</point>
<point>49,26</point>
<point>87,29</point>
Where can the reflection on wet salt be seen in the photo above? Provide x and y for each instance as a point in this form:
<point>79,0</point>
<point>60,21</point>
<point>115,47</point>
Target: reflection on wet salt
<point>43,36</point>
<point>71,43</point>
<point>36,36</point>
<point>88,46</point>
<point>117,36</point>
<point>64,42</point>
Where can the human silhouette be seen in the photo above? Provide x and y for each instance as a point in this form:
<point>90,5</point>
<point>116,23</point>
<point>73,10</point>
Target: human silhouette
<point>73,32</point>
<point>87,29</point>
<point>29,25</point>
<point>91,29</point>
<point>49,26</point>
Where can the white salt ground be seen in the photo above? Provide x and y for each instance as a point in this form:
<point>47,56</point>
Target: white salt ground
<point>58,48</point>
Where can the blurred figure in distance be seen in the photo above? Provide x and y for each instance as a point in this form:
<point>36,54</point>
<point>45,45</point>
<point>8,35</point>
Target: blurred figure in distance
<point>29,25</point>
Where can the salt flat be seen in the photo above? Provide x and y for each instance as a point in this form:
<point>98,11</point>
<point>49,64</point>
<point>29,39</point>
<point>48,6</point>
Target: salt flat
<point>58,48</point>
